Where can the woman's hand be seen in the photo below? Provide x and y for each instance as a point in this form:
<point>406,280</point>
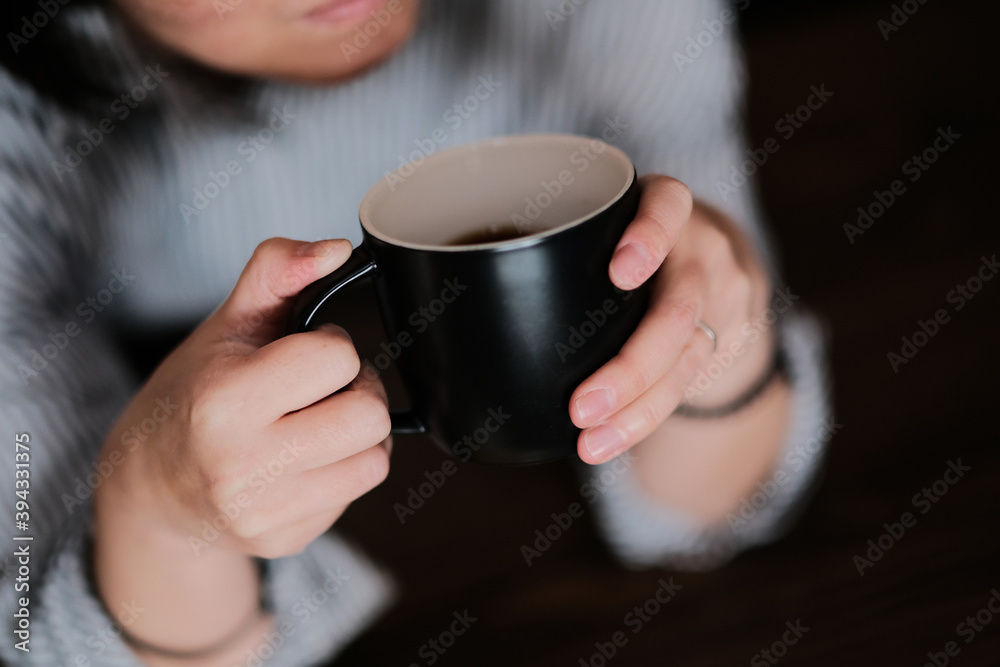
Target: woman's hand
<point>709,275</point>
<point>237,446</point>
<point>256,416</point>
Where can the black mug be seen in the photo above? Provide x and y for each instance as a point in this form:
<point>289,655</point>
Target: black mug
<point>490,263</point>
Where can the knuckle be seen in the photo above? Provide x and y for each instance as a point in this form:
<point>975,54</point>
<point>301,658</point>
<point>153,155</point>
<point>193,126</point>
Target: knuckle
<point>220,487</point>
<point>272,268</point>
<point>741,293</point>
<point>369,374</point>
<point>202,414</point>
<point>367,470</point>
<point>263,260</point>
<point>742,284</point>
<point>267,247</point>
<point>716,243</point>
<point>242,530</point>
<point>636,374</point>
<point>693,359</point>
<point>660,234</point>
<point>295,547</point>
<point>211,399</point>
<point>270,549</point>
<point>371,414</point>
<point>376,467</point>
<point>248,526</point>
<point>650,416</point>
<point>260,253</point>
<point>678,192</point>
<point>683,314</point>
<point>343,360</point>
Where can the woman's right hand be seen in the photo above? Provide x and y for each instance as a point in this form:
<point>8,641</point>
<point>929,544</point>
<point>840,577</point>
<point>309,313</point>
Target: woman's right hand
<point>238,440</point>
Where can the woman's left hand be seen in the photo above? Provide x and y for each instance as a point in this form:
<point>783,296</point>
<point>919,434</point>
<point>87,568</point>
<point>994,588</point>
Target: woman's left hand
<point>712,276</point>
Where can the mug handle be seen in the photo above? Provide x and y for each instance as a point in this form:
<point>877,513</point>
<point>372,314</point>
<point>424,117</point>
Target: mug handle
<point>313,297</point>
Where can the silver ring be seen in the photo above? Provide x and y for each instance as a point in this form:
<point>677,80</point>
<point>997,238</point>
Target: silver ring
<point>711,335</point>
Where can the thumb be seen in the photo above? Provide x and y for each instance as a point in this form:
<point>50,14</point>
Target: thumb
<point>256,309</point>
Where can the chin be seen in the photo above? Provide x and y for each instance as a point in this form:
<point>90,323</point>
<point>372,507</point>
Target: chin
<point>329,65</point>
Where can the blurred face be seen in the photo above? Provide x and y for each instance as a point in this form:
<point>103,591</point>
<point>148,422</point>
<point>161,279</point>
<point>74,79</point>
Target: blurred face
<point>299,40</point>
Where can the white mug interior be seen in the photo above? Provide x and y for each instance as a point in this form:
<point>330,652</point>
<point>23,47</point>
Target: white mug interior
<point>538,184</point>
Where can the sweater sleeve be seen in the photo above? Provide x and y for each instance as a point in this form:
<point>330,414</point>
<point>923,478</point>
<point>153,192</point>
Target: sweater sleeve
<point>644,532</point>
<point>62,385</point>
<point>665,82</point>
<point>321,599</point>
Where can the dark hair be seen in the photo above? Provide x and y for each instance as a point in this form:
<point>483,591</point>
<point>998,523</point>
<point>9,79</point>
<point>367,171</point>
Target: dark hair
<point>40,50</point>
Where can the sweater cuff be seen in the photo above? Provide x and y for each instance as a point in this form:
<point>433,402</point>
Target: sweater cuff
<point>321,599</point>
<point>643,532</point>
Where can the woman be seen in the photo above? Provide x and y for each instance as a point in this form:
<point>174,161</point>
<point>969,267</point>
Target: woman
<point>149,146</point>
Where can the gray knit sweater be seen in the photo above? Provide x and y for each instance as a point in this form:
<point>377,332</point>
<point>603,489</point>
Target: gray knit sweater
<point>143,216</point>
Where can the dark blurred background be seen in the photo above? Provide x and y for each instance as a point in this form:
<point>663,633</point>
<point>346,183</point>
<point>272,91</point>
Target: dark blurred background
<point>900,427</point>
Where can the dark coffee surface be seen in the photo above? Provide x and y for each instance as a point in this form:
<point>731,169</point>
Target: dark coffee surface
<point>504,231</point>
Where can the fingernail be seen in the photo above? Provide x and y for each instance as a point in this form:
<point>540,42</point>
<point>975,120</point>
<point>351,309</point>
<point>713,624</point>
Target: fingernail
<point>631,264</point>
<point>318,249</point>
<point>603,442</point>
<point>594,406</point>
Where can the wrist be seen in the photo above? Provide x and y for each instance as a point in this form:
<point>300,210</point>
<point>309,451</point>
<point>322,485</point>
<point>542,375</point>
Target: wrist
<point>196,595</point>
<point>133,499</point>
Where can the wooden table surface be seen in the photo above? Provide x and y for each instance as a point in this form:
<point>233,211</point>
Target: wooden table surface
<point>461,551</point>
